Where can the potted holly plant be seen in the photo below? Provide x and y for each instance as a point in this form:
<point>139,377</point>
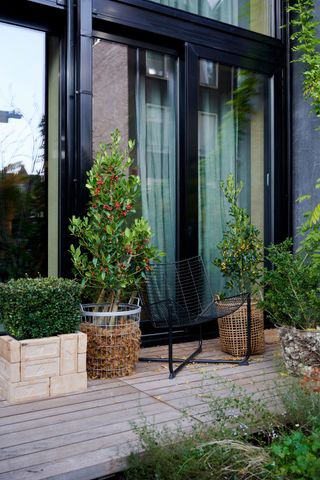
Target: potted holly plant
<point>112,255</point>
<point>292,294</point>
<point>241,264</point>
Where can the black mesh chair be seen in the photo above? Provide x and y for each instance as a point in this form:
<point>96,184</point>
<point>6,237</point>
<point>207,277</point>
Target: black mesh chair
<point>179,295</point>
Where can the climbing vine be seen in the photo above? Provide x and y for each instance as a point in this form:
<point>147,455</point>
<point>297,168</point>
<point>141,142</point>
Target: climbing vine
<point>306,45</point>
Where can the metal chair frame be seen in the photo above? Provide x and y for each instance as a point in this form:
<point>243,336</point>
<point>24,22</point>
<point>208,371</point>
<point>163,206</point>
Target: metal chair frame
<point>171,306</point>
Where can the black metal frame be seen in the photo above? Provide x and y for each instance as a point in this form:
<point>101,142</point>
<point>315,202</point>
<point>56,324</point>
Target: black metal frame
<point>190,359</point>
<point>178,295</point>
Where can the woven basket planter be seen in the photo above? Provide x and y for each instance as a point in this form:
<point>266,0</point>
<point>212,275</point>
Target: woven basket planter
<point>233,331</point>
<point>113,340</point>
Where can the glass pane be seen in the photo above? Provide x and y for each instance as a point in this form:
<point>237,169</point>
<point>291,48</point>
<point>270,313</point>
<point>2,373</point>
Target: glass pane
<point>23,223</point>
<point>231,140</point>
<point>255,15</point>
<point>135,90</point>
<point>208,73</point>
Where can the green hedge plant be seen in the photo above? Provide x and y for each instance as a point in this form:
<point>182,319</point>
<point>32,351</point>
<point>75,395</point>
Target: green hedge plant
<point>40,307</point>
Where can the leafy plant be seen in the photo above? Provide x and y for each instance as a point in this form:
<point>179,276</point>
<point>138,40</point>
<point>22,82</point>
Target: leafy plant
<point>40,307</point>
<point>114,249</point>
<point>306,45</point>
<point>300,404</point>
<point>199,455</point>
<point>296,456</point>
<point>310,230</point>
<point>292,288</point>
<point>241,248</point>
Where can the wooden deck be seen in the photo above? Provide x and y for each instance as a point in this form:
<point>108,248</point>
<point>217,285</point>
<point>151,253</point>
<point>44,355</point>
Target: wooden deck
<point>88,435</point>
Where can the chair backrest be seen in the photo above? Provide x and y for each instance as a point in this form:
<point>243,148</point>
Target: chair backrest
<point>183,287</point>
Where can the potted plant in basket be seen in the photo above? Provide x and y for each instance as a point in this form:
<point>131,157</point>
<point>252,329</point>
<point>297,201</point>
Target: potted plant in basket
<point>241,264</point>
<point>292,294</point>
<point>111,258</point>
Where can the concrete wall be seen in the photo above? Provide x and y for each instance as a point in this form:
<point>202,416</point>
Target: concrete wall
<point>305,144</point>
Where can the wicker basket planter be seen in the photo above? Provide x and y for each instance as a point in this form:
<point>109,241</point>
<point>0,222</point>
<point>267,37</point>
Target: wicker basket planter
<point>233,331</point>
<point>113,340</point>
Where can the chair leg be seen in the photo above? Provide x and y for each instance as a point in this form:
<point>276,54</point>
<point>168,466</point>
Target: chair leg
<point>170,344</point>
<point>248,326</point>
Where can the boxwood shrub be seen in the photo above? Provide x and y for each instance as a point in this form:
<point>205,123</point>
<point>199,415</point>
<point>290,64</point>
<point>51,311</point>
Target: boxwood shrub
<point>39,307</point>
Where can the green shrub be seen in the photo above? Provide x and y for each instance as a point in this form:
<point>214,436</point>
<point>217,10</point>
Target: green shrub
<point>40,307</point>
<point>296,456</point>
<point>300,405</point>
<point>199,455</point>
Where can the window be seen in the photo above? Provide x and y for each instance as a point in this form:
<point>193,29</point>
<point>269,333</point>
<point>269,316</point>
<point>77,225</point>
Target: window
<point>255,15</point>
<point>25,148</point>
<point>135,90</point>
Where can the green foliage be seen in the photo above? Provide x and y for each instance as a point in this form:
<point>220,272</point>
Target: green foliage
<point>200,455</point>
<point>238,439</point>
<point>114,249</point>
<point>301,405</point>
<point>292,288</point>
<point>296,456</point>
<point>310,230</point>
<point>241,248</point>
<point>40,307</point>
<point>306,45</point>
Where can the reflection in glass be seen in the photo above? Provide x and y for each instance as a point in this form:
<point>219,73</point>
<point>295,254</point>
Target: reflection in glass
<point>23,237</point>
<point>231,140</point>
<point>208,73</point>
<point>255,15</point>
<point>135,90</point>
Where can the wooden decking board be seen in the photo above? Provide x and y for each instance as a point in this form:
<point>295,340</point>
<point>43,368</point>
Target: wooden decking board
<point>68,450</point>
<point>194,375</point>
<point>63,417</point>
<point>197,388</point>
<point>161,371</point>
<point>120,443</point>
<point>150,407</point>
<point>205,383</point>
<point>77,407</point>
<point>89,395</point>
<point>86,435</point>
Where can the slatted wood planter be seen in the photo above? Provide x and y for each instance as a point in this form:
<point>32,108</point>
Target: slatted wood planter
<point>42,368</point>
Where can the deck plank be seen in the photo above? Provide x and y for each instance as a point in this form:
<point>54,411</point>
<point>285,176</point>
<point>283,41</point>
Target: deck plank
<point>87,435</point>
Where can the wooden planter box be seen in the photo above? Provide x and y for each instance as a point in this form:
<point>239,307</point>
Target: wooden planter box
<point>42,368</point>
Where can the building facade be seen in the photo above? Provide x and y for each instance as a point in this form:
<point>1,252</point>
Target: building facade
<point>205,87</point>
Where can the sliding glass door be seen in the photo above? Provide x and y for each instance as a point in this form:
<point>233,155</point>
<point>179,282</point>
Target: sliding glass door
<point>232,104</point>
<point>219,118</point>
<point>135,90</point>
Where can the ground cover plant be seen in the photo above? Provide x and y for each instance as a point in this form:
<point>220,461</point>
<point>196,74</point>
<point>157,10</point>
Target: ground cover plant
<point>242,440</point>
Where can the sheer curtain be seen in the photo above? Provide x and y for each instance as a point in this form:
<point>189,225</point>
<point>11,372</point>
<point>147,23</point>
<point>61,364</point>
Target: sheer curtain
<point>156,149</point>
<point>230,141</point>
<point>217,153</point>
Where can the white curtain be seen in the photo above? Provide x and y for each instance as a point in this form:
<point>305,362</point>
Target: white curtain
<point>156,153</point>
<point>217,154</point>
